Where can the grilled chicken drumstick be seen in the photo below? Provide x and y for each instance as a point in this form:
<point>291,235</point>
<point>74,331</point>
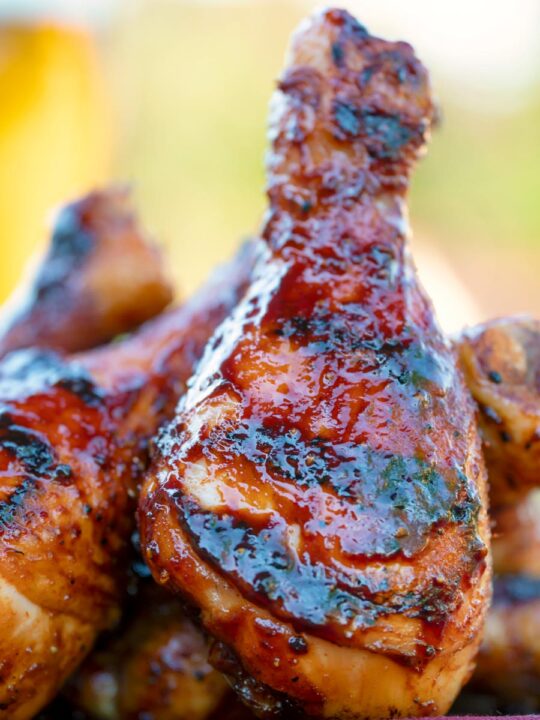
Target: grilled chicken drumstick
<point>100,277</point>
<point>156,661</point>
<point>73,443</point>
<point>320,496</point>
<point>75,284</point>
<point>501,363</point>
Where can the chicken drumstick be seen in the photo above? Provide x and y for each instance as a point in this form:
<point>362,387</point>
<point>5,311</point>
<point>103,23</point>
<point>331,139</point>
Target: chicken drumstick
<point>320,496</point>
<point>99,277</point>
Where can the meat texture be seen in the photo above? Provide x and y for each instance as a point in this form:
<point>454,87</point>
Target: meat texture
<point>73,442</point>
<point>320,496</point>
<point>99,277</point>
<point>501,362</point>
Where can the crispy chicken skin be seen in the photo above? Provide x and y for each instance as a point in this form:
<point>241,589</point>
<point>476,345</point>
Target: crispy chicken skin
<point>100,277</point>
<point>501,363</point>
<point>320,496</point>
<point>73,444</point>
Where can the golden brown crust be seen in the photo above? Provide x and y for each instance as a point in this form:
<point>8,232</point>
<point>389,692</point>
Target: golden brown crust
<point>100,277</point>
<point>320,496</point>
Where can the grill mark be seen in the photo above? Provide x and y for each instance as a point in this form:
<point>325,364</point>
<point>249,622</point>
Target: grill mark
<point>28,372</point>
<point>83,388</point>
<point>29,447</point>
<point>410,494</point>
<point>260,564</point>
<point>35,455</point>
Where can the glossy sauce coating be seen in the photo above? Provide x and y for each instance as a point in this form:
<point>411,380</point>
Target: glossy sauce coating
<point>321,487</point>
<point>73,443</point>
<point>99,277</point>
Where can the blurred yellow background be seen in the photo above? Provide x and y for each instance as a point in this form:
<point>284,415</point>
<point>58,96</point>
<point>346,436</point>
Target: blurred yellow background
<point>55,134</point>
<point>172,96</point>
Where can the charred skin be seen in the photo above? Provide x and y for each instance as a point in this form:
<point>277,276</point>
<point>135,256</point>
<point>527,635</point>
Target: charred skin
<point>64,517</point>
<point>73,444</point>
<point>320,496</point>
<point>99,277</point>
<point>501,363</point>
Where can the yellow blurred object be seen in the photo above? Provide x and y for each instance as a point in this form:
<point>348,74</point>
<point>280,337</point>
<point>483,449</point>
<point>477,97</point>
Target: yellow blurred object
<point>55,132</point>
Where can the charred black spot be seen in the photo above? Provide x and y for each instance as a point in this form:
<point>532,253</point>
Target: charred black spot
<point>83,388</point>
<point>29,447</point>
<point>404,67</point>
<point>298,645</point>
<point>347,118</point>
<point>63,473</point>
<point>338,54</point>
<point>71,244</point>
<point>366,75</point>
<point>495,377</point>
<point>386,135</point>
<point>10,507</point>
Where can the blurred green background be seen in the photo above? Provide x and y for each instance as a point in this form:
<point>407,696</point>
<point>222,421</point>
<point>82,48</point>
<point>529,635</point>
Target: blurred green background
<point>185,94</point>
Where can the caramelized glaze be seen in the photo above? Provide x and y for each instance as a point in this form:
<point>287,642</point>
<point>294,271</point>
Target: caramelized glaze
<point>320,496</point>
